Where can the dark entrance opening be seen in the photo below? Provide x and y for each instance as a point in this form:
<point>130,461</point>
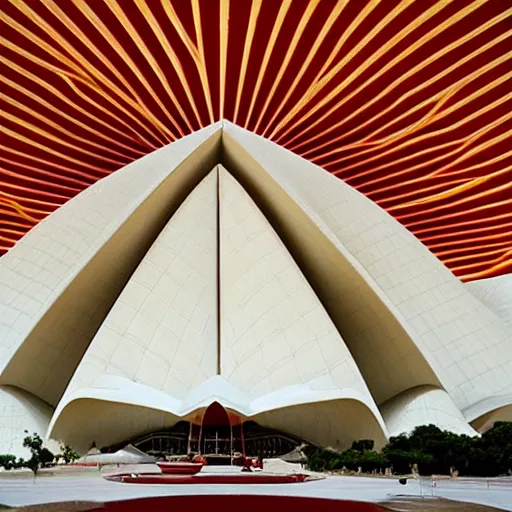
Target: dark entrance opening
<point>216,439</point>
<point>222,436</point>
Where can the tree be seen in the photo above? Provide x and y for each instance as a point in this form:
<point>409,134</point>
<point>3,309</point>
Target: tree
<point>496,445</point>
<point>432,449</point>
<point>363,445</point>
<point>41,457</point>
<point>67,454</point>
<point>370,460</point>
<point>400,442</point>
<point>46,457</point>
<point>403,460</point>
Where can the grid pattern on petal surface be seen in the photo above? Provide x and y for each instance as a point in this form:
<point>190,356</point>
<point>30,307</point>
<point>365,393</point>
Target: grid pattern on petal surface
<point>409,102</point>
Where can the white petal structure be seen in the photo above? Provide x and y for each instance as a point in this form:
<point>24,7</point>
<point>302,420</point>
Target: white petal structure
<point>422,406</point>
<point>496,294</point>
<point>19,412</point>
<point>162,330</point>
<point>223,268</point>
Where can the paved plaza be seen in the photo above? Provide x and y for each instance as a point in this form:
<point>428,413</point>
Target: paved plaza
<point>20,491</point>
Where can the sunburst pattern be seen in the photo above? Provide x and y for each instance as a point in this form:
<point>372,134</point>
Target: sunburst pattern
<point>408,101</point>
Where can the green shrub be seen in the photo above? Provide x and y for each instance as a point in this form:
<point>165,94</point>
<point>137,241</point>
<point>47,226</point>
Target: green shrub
<point>322,460</point>
<point>368,460</point>
<point>8,461</point>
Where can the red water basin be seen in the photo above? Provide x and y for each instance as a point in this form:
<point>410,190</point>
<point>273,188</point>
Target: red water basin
<point>245,503</point>
<point>179,468</point>
<point>237,478</point>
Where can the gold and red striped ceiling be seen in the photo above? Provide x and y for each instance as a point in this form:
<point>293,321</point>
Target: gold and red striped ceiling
<point>409,101</point>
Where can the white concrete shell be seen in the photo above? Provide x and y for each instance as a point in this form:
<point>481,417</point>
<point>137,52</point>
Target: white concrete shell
<point>151,354</point>
<point>275,332</point>
<point>60,280</point>
<point>300,299</point>
<point>421,406</point>
<point>496,294</point>
<point>162,329</point>
<point>21,414</point>
<point>404,316</point>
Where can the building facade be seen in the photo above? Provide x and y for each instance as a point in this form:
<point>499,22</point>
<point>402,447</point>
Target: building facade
<point>224,269</point>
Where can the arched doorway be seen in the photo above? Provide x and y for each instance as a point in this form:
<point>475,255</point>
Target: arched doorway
<point>216,437</point>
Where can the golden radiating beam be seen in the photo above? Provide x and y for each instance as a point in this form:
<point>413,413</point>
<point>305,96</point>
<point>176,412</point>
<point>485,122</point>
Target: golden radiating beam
<point>490,272</point>
<point>481,254</point>
<point>465,187</point>
<point>411,27</point>
<point>80,75</point>
<point>454,87</point>
<point>67,76</point>
<point>495,159</point>
<point>420,189</point>
<point>64,156</point>
<point>249,36</point>
<point>468,140</point>
<point>26,199</point>
<point>196,52</point>
<point>502,261</point>
<point>91,16</point>
<point>461,201</point>
<point>421,138</point>
<point>452,227</point>
<point>408,130</point>
<point>58,94</point>
<point>307,95</point>
<point>16,224</point>
<point>465,141</point>
<point>299,30</point>
<point>16,206</point>
<point>326,27</point>
<point>70,171</point>
<point>54,185</point>
<point>138,136</point>
<point>466,232</point>
<point>41,43</point>
<point>223,56</point>
<point>499,262</point>
<point>413,225</point>
<point>170,53</point>
<point>321,81</point>
<point>142,47</point>
<point>58,140</point>
<point>473,249</point>
<point>200,58</point>
<point>423,85</point>
<point>72,119</point>
<point>56,126</point>
<point>278,23</point>
<point>11,241</point>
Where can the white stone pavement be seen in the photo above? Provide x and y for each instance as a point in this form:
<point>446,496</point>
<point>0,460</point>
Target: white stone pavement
<point>19,491</point>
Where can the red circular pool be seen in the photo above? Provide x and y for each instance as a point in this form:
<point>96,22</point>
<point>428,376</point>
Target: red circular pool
<point>245,503</point>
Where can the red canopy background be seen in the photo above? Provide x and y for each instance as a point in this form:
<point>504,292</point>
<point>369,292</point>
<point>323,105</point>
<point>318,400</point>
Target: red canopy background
<point>408,101</point>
